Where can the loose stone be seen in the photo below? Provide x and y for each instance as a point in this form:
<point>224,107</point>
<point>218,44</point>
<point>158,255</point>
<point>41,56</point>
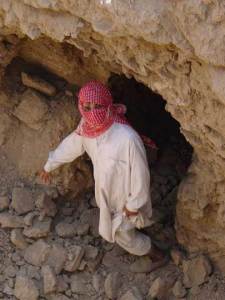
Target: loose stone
<point>179,290</point>
<point>196,271</point>
<point>18,239</point>
<point>49,279</point>
<point>74,258</point>
<point>39,229</point>
<point>37,253</point>
<point>112,285</point>
<point>65,229</point>
<point>22,200</point>
<point>4,202</point>
<point>8,220</point>
<point>25,289</point>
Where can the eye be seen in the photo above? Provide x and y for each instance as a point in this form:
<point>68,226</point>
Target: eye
<point>98,106</point>
<point>87,106</point>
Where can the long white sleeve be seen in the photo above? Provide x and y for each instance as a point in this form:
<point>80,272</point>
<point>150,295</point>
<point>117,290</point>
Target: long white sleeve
<point>140,177</point>
<point>68,150</point>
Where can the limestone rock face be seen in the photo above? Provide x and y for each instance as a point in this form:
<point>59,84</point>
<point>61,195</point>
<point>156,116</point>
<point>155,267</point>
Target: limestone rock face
<point>176,48</point>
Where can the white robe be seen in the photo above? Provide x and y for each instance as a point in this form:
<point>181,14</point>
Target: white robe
<point>120,171</point>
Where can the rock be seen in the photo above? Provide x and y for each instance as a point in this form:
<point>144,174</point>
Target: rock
<point>75,255</point>
<point>45,204</point>
<point>36,253</point>
<point>22,200</point>
<point>10,282</point>
<point>49,278</point>
<point>179,290</point>
<point>16,257</point>
<point>8,290</point>
<point>56,258</point>
<point>39,229</point>
<point>38,84</point>
<point>82,265</point>
<point>80,284</point>
<point>195,290</point>
<point>91,217</point>
<point>10,271</point>
<point>25,289</point>
<point>132,294</point>
<point>67,211</point>
<point>65,230</point>
<point>8,220</point>
<point>32,109</point>
<point>91,252</point>
<point>158,289</point>
<point>82,229</point>
<point>4,202</point>
<point>112,285</point>
<point>62,285</point>
<point>97,282</point>
<point>5,126</point>
<point>33,272</point>
<point>176,256</point>
<point>196,271</point>
<point>141,265</point>
<point>28,219</point>
<point>18,239</point>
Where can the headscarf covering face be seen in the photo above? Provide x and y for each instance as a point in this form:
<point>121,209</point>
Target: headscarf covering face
<point>97,120</point>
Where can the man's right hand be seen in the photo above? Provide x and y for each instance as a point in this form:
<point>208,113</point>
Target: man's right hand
<point>45,177</point>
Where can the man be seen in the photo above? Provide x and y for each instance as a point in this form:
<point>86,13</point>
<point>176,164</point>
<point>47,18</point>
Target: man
<point>122,180</point>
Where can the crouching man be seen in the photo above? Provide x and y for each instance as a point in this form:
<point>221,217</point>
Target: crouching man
<point>122,180</point>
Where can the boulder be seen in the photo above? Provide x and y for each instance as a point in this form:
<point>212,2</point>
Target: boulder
<point>22,200</point>
<point>49,279</point>
<point>74,258</point>
<point>8,220</point>
<point>31,109</point>
<point>112,285</point>
<point>80,284</point>
<point>196,271</point>
<point>18,239</point>
<point>159,289</point>
<point>38,84</point>
<point>38,229</point>
<point>65,230</point>
<point>36,254</point>
<point>4,202</point>
<point>45,204</point>
<point>132,294</point>
<point>178,289</point>
<point>56,258</point>
<point>25,289</point>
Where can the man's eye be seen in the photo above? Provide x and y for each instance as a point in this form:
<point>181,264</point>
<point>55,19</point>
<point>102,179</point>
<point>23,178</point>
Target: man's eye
<point>86,108</point>
<point>98,106</point>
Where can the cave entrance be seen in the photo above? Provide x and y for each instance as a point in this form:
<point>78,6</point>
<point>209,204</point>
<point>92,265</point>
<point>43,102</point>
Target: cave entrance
<point>147,114</point>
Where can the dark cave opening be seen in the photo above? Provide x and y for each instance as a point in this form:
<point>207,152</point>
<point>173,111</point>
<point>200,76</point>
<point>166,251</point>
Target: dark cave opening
<point>147,114</point>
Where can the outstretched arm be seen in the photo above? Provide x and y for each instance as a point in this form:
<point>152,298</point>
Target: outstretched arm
<point>68,150</point>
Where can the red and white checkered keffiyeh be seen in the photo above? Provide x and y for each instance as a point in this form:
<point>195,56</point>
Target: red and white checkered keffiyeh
<point>96,121</point>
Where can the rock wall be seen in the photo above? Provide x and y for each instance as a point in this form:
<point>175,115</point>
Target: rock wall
<point>176,48</point>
